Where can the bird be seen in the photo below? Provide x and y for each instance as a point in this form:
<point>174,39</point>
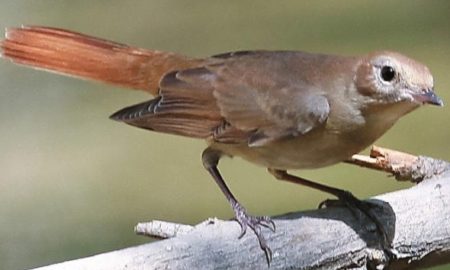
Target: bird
<point>283,110</point>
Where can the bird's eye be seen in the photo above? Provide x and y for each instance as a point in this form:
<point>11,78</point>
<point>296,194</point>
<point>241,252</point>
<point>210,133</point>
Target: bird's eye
<point>387,73</point>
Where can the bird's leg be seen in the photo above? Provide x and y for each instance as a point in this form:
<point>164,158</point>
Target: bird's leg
<point>347,198</point>
<point>210,158</point>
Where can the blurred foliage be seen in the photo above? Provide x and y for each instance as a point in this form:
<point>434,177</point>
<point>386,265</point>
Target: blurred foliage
<point>74,183</point>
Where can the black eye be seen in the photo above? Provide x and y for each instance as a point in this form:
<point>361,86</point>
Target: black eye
<point>387,73</point>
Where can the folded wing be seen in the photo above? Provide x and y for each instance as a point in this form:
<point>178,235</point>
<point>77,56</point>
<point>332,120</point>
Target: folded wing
<point>233,98</point>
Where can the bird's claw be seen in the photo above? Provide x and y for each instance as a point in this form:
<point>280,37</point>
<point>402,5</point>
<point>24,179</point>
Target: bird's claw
<point>357,206</point>
<point>344,201</point>
<point>255,223</point>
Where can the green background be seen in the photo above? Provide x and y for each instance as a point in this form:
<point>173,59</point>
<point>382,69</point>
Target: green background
<point>74,183</point>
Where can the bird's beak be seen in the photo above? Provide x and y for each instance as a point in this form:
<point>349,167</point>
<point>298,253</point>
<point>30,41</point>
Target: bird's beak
<point>429,97</point>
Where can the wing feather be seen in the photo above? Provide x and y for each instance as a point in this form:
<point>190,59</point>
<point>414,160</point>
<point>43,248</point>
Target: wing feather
<point>236,99</point>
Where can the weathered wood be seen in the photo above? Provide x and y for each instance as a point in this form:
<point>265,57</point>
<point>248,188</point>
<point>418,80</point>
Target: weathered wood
<point>417,221</point>
<point>404,166</point>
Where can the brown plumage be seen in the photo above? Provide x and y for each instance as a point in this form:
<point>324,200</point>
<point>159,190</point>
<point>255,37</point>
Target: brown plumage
<point>89,57</point>
<point>280,109</point>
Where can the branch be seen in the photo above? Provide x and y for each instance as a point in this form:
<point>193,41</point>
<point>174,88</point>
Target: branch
<point>404,166</point>
<point>417,221</point>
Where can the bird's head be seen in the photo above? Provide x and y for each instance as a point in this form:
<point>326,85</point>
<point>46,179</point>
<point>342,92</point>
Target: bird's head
<point>389,78</point>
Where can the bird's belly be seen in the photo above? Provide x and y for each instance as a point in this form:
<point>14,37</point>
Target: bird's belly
<point>304,152</point>
<point>322,147</point>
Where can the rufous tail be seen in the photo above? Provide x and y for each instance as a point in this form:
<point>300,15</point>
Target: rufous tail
<point>88,57</point>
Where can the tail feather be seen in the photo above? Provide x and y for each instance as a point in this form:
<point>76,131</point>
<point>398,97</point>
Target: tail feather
<point>79,55</point>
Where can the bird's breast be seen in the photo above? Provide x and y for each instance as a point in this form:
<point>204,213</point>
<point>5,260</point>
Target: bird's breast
<point>330,144</point>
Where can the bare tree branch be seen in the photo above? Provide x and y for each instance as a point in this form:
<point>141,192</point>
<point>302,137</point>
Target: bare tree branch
<point>404,166</point>
<point>417,221</point>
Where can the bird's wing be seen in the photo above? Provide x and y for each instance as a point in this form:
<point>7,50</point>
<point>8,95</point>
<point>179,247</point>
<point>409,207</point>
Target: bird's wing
<point>243,97</point>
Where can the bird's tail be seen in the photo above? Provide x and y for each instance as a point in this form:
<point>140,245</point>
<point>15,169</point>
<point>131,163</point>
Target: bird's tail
<point>79,55</point>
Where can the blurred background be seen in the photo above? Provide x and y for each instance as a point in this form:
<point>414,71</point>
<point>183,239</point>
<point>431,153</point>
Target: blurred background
<point>74,183</point>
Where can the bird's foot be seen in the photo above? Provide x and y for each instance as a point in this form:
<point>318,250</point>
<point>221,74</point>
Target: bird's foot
<point>355,205</point>
<point>255,223</point>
